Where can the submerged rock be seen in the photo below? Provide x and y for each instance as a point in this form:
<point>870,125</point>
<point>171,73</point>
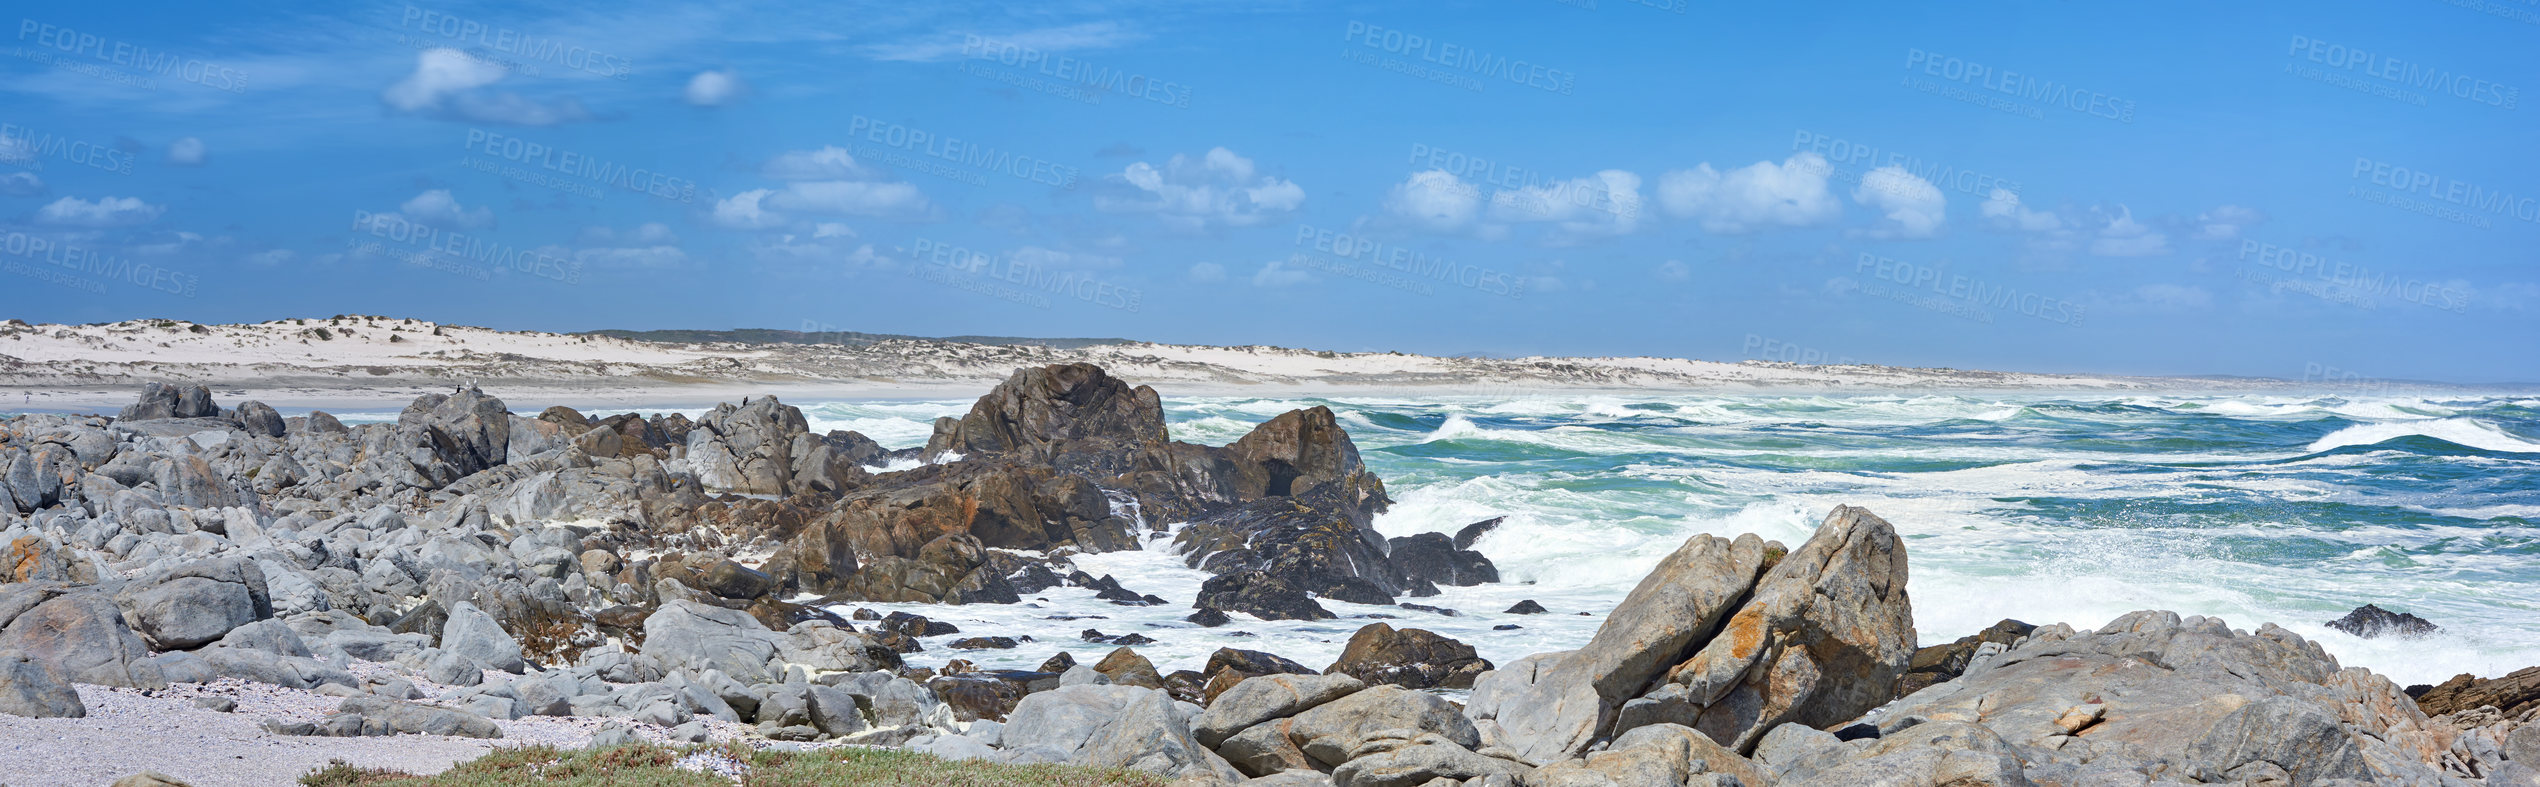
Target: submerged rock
<point>2370,621</point>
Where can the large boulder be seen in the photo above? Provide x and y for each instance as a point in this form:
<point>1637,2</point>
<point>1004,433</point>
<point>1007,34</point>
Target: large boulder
<point>2514,693</point>
<point>374,716</point>
<point>2154,696</point>
<point>81,637</point>
<point>1824,633</point>
<point>472,633</point>
<point>2369,621</point>
<point>1109,726</point>
<point>699,636</point>
<point>1434,557</point>
<point>1549,707</point>
<point>1410,658</point>
<point>1259,594</point>
<point>28,689</point>
<point>1316,540</point>
<point>1430,758</point>
<point>765,447</point>
<point>1333,731</point>
<point>693,635</point>
<point>186,612</point>
<point>1827,635</point>
<point>1266,698</point>
<point>168,400</point>
<point>42,559</point>
<point>1071,416</point>
<point>439,439</point>
<point>258,418</point>
<point>189,604</point>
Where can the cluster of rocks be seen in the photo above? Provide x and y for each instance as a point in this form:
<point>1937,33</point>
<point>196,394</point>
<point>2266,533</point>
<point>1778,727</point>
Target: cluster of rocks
<point>628,566</point>
<point>462,565</point>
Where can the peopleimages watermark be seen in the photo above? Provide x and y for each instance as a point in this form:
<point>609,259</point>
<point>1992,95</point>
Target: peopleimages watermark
<point>1848,160</point>
<point>2008,91</point>
<point>950,157</point>
<point>2525,15</point>
<point>27,147</point>
<point>1777,351</point>
<point>78,267</point>
<point>987,274</point>
<point>558,167</point>
<point>422,43</point>
<point>2344,282</point>
<point>1959,294</point>
<point>2450,199</point>
<point>66,44</point>
<point>1075,79</point>
<point>1447,63</point>
<point>548,49</point>
<point>2324,376</point>
<point>1335,266</point>
<point>1674,6</point>
<point>1362,249</point>
<point>2369,72</point>
<point>451,252</point>
<point>1519,183</point>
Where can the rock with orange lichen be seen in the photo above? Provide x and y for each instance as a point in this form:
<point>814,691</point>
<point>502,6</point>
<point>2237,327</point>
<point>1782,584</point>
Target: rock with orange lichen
<point>1725,638</point>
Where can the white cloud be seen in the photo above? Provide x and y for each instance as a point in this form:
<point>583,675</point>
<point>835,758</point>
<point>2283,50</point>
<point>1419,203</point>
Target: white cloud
<point>1674,271</point>
<point>2122,236</point>
<point>831,229</point>
<point>1760,195</point>
<point>187,152</point>
<point>1090,35</point>
<point>742,211</point>
<point>436,208</point>
<point>445,82</point>
<point>272,258</point>
<point>1607,203</point>
<point>1275,274</point>
<point>828,163</point>
<point>1217,188</point>
<point>820,251</point>
<point>712,88</point>
<point>21,184</point>
<point>105,212</point>
<point>439,74</point>
<point>1208,272</point>
<point>1435,200</point>
<point>2226,222</point>
<point>2003,208</point>
<point>1912,206</point>
<point>850,198</point>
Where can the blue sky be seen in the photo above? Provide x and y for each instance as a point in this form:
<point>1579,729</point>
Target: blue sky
<point>2280,190</point>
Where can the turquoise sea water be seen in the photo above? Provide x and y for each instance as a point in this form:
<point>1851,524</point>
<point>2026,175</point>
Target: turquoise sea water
<point>2071,508</point>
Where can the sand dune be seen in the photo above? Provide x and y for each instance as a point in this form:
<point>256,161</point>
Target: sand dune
<point>361,360</point>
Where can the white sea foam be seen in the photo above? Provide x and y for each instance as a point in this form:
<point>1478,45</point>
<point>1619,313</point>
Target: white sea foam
<point>2457,431</point>
<point>2250,529</point>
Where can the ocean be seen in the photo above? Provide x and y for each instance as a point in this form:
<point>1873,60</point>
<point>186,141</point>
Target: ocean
<point>2070,508</point>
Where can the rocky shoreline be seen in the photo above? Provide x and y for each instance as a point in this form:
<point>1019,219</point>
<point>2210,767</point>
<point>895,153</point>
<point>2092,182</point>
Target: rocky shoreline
<point>467,573</point>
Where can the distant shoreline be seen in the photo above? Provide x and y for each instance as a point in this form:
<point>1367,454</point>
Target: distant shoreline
<point>369,363</point>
